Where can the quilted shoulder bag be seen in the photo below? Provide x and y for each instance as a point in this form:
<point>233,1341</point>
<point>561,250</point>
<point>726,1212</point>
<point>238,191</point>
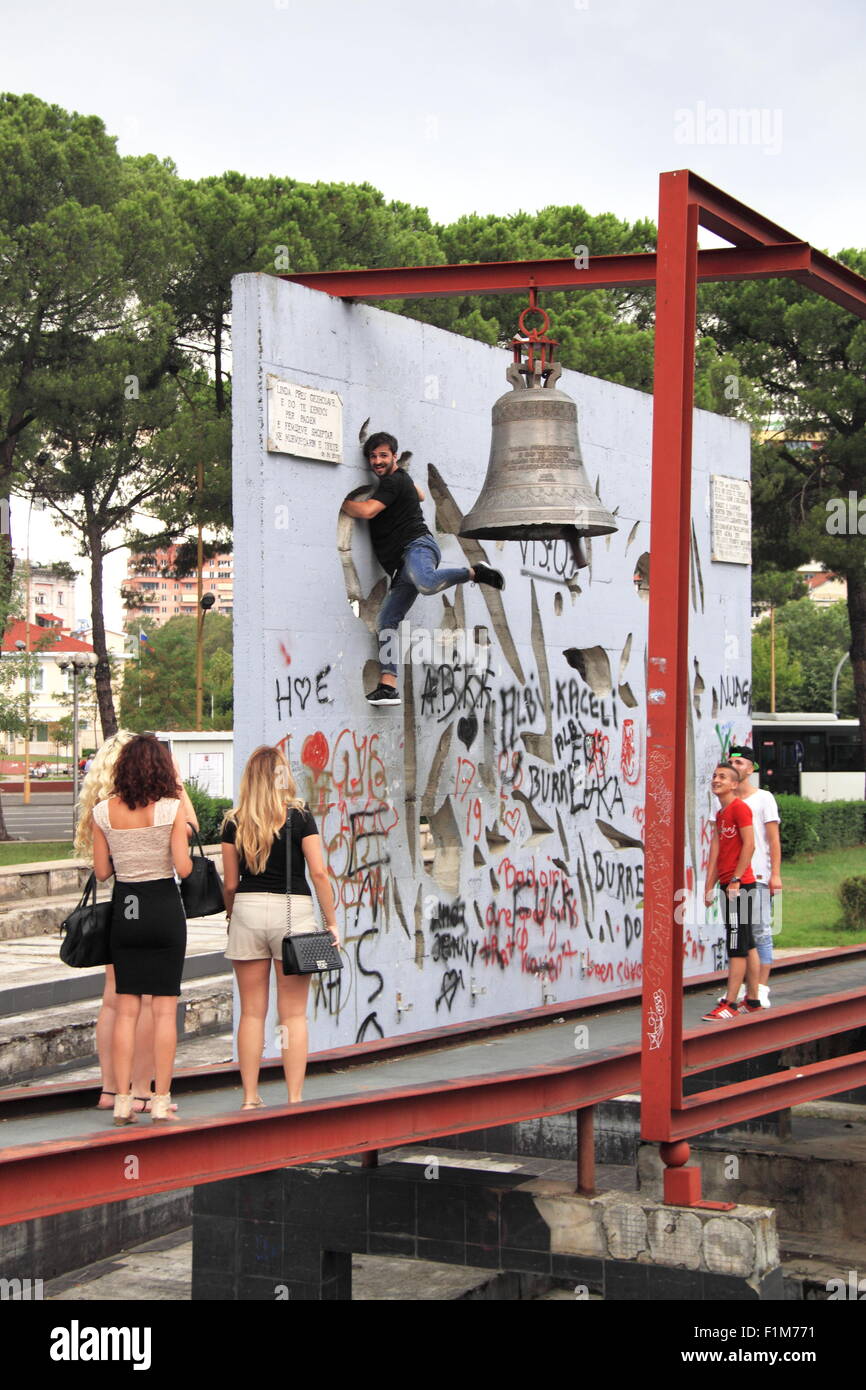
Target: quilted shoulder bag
<point>305,953</point>
<point>86,930</point>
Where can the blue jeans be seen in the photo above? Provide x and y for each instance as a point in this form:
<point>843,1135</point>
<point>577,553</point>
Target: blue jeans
<point>762,926</point>
<point>418,574</point>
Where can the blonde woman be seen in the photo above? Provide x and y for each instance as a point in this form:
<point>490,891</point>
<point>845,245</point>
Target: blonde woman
<point>97,786</point>
<point>255,880</point>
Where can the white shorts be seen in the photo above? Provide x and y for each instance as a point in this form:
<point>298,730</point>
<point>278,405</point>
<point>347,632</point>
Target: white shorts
<point>258,924</point>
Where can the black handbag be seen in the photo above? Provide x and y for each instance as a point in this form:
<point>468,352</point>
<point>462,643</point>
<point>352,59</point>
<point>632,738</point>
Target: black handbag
<point>86,931</point>
<point>202,890</point>
<point>306,953</point>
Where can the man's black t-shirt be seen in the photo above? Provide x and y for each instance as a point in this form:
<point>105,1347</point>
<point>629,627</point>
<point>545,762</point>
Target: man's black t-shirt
<point>402,520</point>
<point>273,877</point>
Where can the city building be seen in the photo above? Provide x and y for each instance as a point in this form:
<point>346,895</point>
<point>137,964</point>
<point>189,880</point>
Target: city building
<point>152,593</point>
<point>823,588</point>
<point>50,689</point>
<point>47,592</point>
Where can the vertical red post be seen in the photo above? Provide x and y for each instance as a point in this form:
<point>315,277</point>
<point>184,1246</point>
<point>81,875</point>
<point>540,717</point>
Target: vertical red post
<point>667,672</point>
<point>586,1151</point>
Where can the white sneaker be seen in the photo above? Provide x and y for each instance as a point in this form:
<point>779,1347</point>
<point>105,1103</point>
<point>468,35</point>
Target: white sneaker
<point>764,996</point>
<point>723,998</point>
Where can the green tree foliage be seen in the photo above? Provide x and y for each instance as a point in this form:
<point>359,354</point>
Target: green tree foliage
<point>105,451</point>
<point>789,673</point>
<point>83,234</point>
<point>810,642</point>
<point>606,333</point>
<point>159,691</point>
<point>808,357</point>
<point>772,588</point>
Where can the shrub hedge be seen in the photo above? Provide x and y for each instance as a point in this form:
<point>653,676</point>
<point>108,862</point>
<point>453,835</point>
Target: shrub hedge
<point>808,826</point>
<point>210,811</point>
<point>852,896</point>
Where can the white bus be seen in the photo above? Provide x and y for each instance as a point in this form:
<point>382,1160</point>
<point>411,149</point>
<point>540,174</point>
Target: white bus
<point>811,755</point>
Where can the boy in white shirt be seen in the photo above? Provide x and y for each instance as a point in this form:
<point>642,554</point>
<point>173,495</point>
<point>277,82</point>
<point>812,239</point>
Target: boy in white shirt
<point>766,860</point>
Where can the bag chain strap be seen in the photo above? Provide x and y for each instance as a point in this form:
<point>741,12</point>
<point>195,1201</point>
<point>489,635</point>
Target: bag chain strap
<point>289,848</point>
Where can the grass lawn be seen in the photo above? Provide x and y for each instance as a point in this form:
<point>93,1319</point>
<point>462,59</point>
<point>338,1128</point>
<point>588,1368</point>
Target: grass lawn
<point>812,915</point>
<point>31,852</point>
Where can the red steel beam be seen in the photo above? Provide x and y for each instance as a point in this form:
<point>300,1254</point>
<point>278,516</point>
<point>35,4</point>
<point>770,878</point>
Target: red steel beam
<point>667,669</point>
<point>745,1099</point>
<point>727,216</point>
<point>629,271</point>
<point>788,1026</point>
<point>835,281</point>
<point>43,1179</point>
<point>63,1175</point>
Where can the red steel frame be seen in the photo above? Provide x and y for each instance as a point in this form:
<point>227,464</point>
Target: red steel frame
<point>88,1170</point>
<point>58,1175</point>
<point>759,249</point>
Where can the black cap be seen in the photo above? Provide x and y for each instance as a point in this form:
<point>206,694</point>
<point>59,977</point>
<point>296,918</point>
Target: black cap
<point>744,752</point>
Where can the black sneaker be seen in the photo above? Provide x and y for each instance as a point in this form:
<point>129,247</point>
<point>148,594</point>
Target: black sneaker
<point>485,575</point>
<point>384,695</point>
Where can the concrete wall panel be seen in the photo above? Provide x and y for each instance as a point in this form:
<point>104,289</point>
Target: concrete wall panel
<point>529,773</point>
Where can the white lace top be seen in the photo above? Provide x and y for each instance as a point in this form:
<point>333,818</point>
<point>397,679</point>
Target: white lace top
<point>142,852</point>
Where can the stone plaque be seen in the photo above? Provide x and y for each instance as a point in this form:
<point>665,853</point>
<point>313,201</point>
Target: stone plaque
<point>731,520</point>
<point>304,421</point>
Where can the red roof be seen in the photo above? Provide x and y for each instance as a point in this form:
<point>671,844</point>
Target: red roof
<point>42,639</point>
<point>814,581</point>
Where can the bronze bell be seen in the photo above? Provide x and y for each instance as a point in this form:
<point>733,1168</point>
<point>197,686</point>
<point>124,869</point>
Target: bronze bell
<point>536,485</point>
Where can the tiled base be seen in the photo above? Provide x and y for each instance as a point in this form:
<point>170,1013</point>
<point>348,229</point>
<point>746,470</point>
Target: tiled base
<point>290,1234</point>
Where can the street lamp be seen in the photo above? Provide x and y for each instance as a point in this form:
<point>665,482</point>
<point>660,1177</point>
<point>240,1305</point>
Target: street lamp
<point>77,663</point>
<point>25,646</point>
<point>845,658</point>
<point>205,603</point>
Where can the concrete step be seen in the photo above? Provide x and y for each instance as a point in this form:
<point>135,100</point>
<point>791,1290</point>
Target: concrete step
<point>37,1043</point>
<point>35,898</point>
<point>22,917</point>
<point>32,975</point>
<point>49,878</point>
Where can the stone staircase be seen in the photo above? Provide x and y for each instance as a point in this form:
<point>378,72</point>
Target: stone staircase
<point>48,1011</point>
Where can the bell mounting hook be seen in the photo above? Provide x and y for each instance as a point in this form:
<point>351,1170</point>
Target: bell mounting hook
<point>535,343</point>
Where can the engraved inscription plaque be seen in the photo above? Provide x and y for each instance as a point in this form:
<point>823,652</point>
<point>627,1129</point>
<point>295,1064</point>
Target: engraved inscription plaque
<point>304,421</point>
<point>731,520</point>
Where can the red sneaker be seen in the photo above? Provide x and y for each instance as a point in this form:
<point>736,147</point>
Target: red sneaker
<point>724,1011</point>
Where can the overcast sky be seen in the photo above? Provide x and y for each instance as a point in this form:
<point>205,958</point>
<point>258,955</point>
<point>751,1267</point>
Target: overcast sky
<point>482,106</point>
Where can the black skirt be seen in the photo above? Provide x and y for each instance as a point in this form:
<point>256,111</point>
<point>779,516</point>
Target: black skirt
<point>148,937</point>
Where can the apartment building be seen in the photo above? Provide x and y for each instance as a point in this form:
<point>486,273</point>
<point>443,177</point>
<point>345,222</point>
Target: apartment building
<point>159,597</point>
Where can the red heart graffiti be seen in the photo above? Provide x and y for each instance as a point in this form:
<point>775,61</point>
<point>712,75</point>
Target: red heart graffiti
<point>314,753</point>
<point>512,819</point>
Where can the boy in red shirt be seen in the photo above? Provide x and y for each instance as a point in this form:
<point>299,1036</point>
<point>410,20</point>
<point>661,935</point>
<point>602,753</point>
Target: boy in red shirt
<point>730,866</point>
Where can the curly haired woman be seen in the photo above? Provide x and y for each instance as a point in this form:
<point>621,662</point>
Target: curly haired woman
<point>140,835</point>
<point>97,786</point>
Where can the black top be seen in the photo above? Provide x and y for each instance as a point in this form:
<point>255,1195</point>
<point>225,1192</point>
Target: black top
<point>402,520</point>
<point>273,877</point>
